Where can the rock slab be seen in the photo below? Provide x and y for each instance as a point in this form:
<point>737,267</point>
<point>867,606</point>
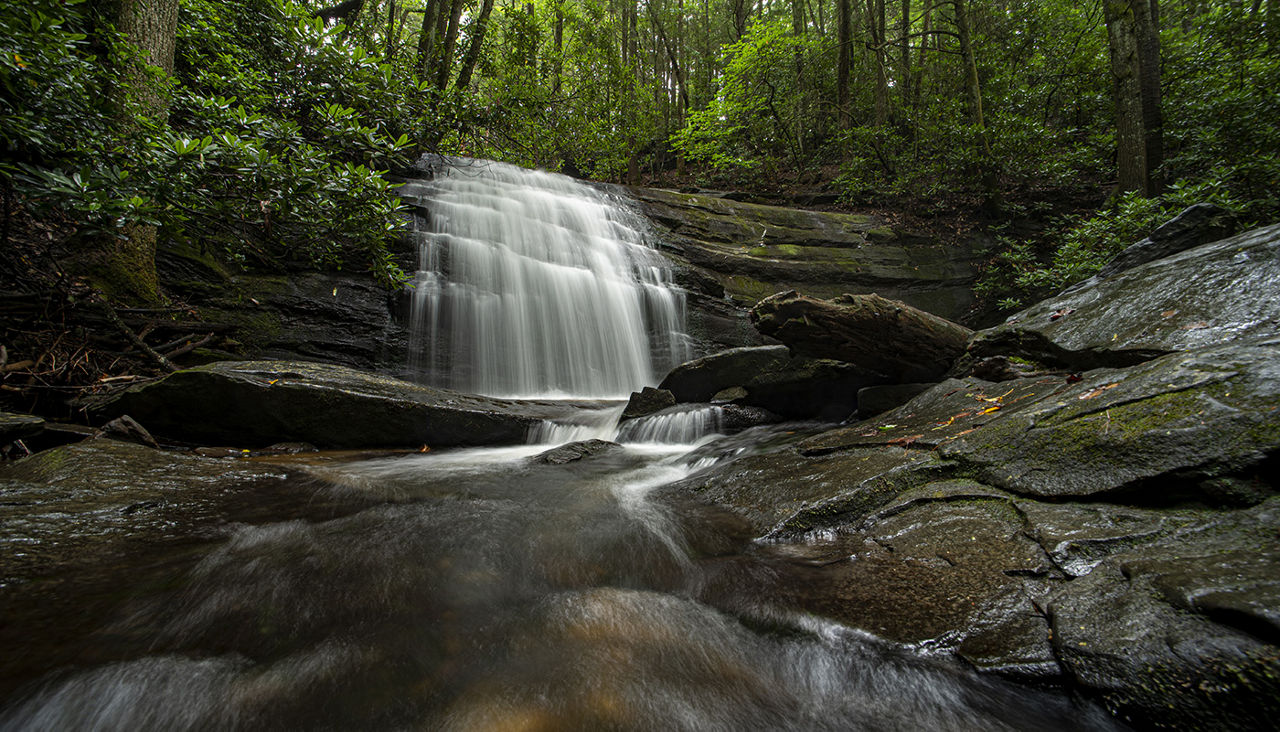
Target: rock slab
<point>259,403</point>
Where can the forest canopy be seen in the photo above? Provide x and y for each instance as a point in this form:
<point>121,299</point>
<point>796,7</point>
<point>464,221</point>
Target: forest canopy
<point>264,130</point>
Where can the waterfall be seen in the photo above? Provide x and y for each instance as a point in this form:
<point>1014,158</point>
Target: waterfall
<point>531,284</point>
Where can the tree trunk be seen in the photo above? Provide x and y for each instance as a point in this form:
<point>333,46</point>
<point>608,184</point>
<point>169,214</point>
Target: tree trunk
<point>427,39</point>
<point>1135,69</point>
<point>973,93</point>
<point>129,259</point>
<point>557,40</point>
<point>449,43</point>
<point>473,46</point>
<point>905,51</point>
<point>875,28</point>
<point>844,62</point>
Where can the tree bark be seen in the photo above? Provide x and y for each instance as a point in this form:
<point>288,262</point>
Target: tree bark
<point>449,43</point>
<point>875,25</point>
<point>973,92</point>
<point>844,62</point>
<point>129,260</point>
<point>473,46</point>
<point>1135,67</point>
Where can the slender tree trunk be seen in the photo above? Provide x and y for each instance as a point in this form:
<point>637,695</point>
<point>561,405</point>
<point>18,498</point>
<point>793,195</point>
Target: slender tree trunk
<point>875,27</point>
<point>389,46</point>
<point>558,43</point>
<point>844,62</point>
<point>427,38</point>
<point>474,44</point>
<point>905,55</point>
<point>987,172</point>
<point>449,44</point>
<point>1135,68</point>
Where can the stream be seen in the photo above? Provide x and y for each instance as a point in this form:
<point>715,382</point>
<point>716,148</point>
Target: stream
<point>528,587</point>
<point>486,589</point>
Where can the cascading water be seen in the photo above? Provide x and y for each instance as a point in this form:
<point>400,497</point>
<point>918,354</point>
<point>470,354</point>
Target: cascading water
<point>533,284</point>
<point>498,588</point>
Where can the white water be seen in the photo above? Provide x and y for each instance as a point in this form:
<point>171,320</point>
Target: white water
<point>687,427</point>
<point>531,284</point>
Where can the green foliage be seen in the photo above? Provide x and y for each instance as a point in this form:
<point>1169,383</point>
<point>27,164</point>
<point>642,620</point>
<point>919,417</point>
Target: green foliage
<point>278,135</point>
<point>1016,275</point>
<point>762,113</point>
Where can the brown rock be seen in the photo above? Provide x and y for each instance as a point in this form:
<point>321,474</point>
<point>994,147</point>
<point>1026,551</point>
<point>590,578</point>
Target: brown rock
<point>889,337</point>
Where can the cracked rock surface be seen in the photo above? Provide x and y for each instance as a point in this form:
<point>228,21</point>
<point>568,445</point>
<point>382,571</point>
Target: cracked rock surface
<point>1117,528</point>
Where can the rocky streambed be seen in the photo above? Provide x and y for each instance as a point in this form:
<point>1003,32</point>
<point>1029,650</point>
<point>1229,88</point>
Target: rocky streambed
<point>1077,507</point>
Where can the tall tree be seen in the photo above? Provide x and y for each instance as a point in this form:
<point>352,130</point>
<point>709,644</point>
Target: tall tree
<point>1134,41</point>
<point>844,61</point>
<point>474,44</point>
<point>973,94</point>
<point>152,27</point>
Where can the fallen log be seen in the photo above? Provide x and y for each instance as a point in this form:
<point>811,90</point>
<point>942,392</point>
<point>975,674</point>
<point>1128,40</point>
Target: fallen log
<point>888,337</point>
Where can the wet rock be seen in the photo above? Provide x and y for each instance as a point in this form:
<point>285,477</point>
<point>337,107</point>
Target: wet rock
<point>781,492</point>
<point>17,426</point>
<point>1187,420</point>
<point>647,401</point>
<point>1182,632</point>
<point>125,427</point>
<point>344,319</point>
<point>874,400</point>
<point>1210,295</point>
<point>735,417</point>
<point>886,337</point>
<point>770,378</point>
<point>947,565</point>
<point>263,402</point>
<point>1198,224</point>
<point>575,451</point>
<point>65,504</point>
<point>1183,419</point>
<point>754,251</point>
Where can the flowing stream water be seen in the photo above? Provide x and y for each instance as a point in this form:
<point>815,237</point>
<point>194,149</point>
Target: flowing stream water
<point>493,589</point>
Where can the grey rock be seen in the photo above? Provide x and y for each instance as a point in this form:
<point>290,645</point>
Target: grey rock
<point>1182,632</point>
<point>1198,224</point>
<point>756,250</point>
<point>17,426</point>
<point>1212,294</point>
<point>647,401</point>
<point>258,403</point>
<point>772,379</point>
<point>575,451</point>
<point>874,400</point>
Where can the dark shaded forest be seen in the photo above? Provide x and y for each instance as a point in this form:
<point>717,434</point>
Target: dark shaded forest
<point>266,134</point>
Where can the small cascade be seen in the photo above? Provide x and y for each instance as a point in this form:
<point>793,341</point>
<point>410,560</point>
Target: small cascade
<point>533,284</point>
<point>684,425</point>
<point>673,426</point>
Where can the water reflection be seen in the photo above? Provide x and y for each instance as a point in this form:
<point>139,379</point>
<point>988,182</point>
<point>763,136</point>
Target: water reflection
<point>483,590</point>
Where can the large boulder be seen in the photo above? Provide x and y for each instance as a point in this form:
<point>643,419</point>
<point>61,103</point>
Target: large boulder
<point>1212,294</point>
<point>886,337</point>
<point>769,377</point>
<point>1188,420</point>
<point>345,319</point>
<point>753,251</point>
<point>1116,528</point>
<point>1182,632</point>
<point>1195,225</point>
<point>263,402</point>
